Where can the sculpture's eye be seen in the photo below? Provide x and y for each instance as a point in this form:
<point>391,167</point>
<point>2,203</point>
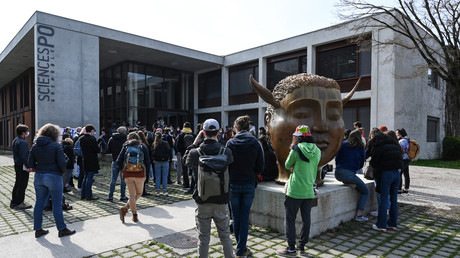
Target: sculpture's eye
<point>302,113</point>
<point>334,110</point>
<point>333,114</point>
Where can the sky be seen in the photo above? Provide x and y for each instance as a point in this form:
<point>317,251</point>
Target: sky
<point>214,26</point>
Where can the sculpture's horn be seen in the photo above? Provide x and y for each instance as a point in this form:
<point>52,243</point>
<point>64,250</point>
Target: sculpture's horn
<point>264,93</point>
<point>350,94</point>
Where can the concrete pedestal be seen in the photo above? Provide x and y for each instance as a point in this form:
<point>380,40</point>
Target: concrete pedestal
<point>335,203</point>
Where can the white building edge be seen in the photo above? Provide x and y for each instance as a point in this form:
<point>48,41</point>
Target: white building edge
<point>66,77</point>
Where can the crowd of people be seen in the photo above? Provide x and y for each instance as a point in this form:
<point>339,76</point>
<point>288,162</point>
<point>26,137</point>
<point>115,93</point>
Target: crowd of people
<point>139,155</point>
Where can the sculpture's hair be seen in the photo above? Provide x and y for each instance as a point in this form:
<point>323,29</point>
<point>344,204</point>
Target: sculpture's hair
<point>242,123</point>
<point>290,83</point>
<point>355,139</point>
<point>50,130</point>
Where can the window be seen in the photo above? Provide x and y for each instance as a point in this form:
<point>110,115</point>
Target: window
<point>209,89</point>
<point>280,67</point>
<point>342,60</point>
<point>432,129</point>
<point>357,110</point>
<point>433,80</point>
<point>240,90</point>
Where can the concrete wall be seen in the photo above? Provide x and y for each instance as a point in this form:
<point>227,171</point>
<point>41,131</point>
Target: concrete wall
<point>415,101</point>
<point>335,203</point>
<point>66,77</point>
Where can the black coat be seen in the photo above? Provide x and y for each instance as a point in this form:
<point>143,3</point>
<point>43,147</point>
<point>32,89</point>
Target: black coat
<point>90,149</point>
<point>116,144</point>
<point>68,151</point>
<point>386,155</point>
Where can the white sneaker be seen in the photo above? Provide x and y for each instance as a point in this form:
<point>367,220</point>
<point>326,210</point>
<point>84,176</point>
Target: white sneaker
<point>374,213</point>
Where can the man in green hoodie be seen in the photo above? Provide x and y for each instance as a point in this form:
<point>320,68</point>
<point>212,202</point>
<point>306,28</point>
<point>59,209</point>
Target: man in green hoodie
<point>302,162</point>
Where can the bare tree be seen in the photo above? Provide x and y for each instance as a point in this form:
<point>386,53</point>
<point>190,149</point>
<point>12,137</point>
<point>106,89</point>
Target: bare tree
<point>430,27</point>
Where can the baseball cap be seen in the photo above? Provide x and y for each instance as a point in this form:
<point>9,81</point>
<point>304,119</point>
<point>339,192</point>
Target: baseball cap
<point>211,125</point>
<point>302,130</point>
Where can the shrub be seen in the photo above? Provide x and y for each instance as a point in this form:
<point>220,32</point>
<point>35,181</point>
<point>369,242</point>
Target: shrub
<point>450,148</point>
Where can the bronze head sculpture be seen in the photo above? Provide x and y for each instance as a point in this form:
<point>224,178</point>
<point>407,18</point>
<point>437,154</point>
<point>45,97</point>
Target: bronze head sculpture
<point>304,99</point>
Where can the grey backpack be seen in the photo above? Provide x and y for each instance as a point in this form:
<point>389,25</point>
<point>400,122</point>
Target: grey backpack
<point>213,178</point>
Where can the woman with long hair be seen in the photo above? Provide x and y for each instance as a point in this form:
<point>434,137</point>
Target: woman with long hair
<point>134,179</point>
<point>349,160</point>
<point>161,153</point>
<point>387,161</point>
<point>47,158</point>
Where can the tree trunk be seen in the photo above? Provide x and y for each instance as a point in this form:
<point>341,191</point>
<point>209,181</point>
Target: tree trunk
<point>452,124</point>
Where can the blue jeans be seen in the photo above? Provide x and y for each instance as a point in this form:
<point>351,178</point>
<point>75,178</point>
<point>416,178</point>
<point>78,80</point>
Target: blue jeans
<point>87,184</point>
<point>48,185</point>
<point>115,172</point>
<point>161,175</point>
<point>241,197</point>
<point>349,177</point>
<point>389,185</point>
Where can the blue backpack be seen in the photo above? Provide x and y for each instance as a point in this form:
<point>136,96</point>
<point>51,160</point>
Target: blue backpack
<point>77,149</point>
<point>134,159</point>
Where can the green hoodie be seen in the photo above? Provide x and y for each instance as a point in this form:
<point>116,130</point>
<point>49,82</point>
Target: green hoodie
<point>300,184</point>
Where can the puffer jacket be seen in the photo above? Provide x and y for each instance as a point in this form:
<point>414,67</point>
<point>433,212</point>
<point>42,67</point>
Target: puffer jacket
<point>47,156</point>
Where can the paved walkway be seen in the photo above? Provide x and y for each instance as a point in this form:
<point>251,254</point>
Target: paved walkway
<point>429,224</point>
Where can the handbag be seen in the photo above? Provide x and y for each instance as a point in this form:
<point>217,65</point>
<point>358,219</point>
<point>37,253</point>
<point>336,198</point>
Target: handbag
<point>369,173</point>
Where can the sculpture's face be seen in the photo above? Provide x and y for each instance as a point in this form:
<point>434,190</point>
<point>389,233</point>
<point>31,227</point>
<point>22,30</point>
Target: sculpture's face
<point>318,107</point>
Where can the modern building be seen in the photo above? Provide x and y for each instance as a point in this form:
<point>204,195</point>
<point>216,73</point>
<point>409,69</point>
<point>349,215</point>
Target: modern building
<point>67,72</point>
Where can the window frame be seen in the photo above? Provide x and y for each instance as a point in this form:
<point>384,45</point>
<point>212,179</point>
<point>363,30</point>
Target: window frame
<point>429,135</point>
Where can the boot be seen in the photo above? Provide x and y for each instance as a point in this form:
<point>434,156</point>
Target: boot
<point>123,211</point>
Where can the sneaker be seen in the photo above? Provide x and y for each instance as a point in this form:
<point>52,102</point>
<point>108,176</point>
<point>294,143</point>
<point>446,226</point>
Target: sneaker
<point>158,193</point>
<point>375,213</point>
<point>393,228</point>
<point>374,227</point>
<point>165,193</point>
<point>110,199</point>
<point>361,218</point>
<point>286,252</point>
<point>124,198</point>
<point>22,206</point>
<point>301,249</point>
<point>66,232</point>
<point>41,232</point>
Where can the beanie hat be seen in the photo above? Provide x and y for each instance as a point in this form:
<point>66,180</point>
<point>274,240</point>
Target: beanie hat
<point>302,130</point>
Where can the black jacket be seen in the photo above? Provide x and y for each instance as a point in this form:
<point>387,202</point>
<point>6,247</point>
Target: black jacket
<point>248,156</point>
<point>115,144</point>
<point>209,147</point>
<point>90,149</point>
<point>386,155</point>
<point>68,151</point>
<point>20,151</point>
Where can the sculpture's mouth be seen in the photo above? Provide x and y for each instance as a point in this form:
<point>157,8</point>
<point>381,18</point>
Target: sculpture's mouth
<point>322,144</point>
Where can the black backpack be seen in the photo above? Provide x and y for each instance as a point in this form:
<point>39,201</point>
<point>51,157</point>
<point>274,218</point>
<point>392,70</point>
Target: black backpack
<point>213,177</point>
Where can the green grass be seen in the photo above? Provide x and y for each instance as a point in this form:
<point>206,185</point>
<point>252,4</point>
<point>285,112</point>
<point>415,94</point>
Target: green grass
<point>436,163</point>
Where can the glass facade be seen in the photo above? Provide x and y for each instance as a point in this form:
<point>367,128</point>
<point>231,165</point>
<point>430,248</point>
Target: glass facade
<point>240,90</point>
<point>280,67</point>
<point>17,106</point>
<point>344,62</point>
<point>132,92</point>
<point>210,89</point>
